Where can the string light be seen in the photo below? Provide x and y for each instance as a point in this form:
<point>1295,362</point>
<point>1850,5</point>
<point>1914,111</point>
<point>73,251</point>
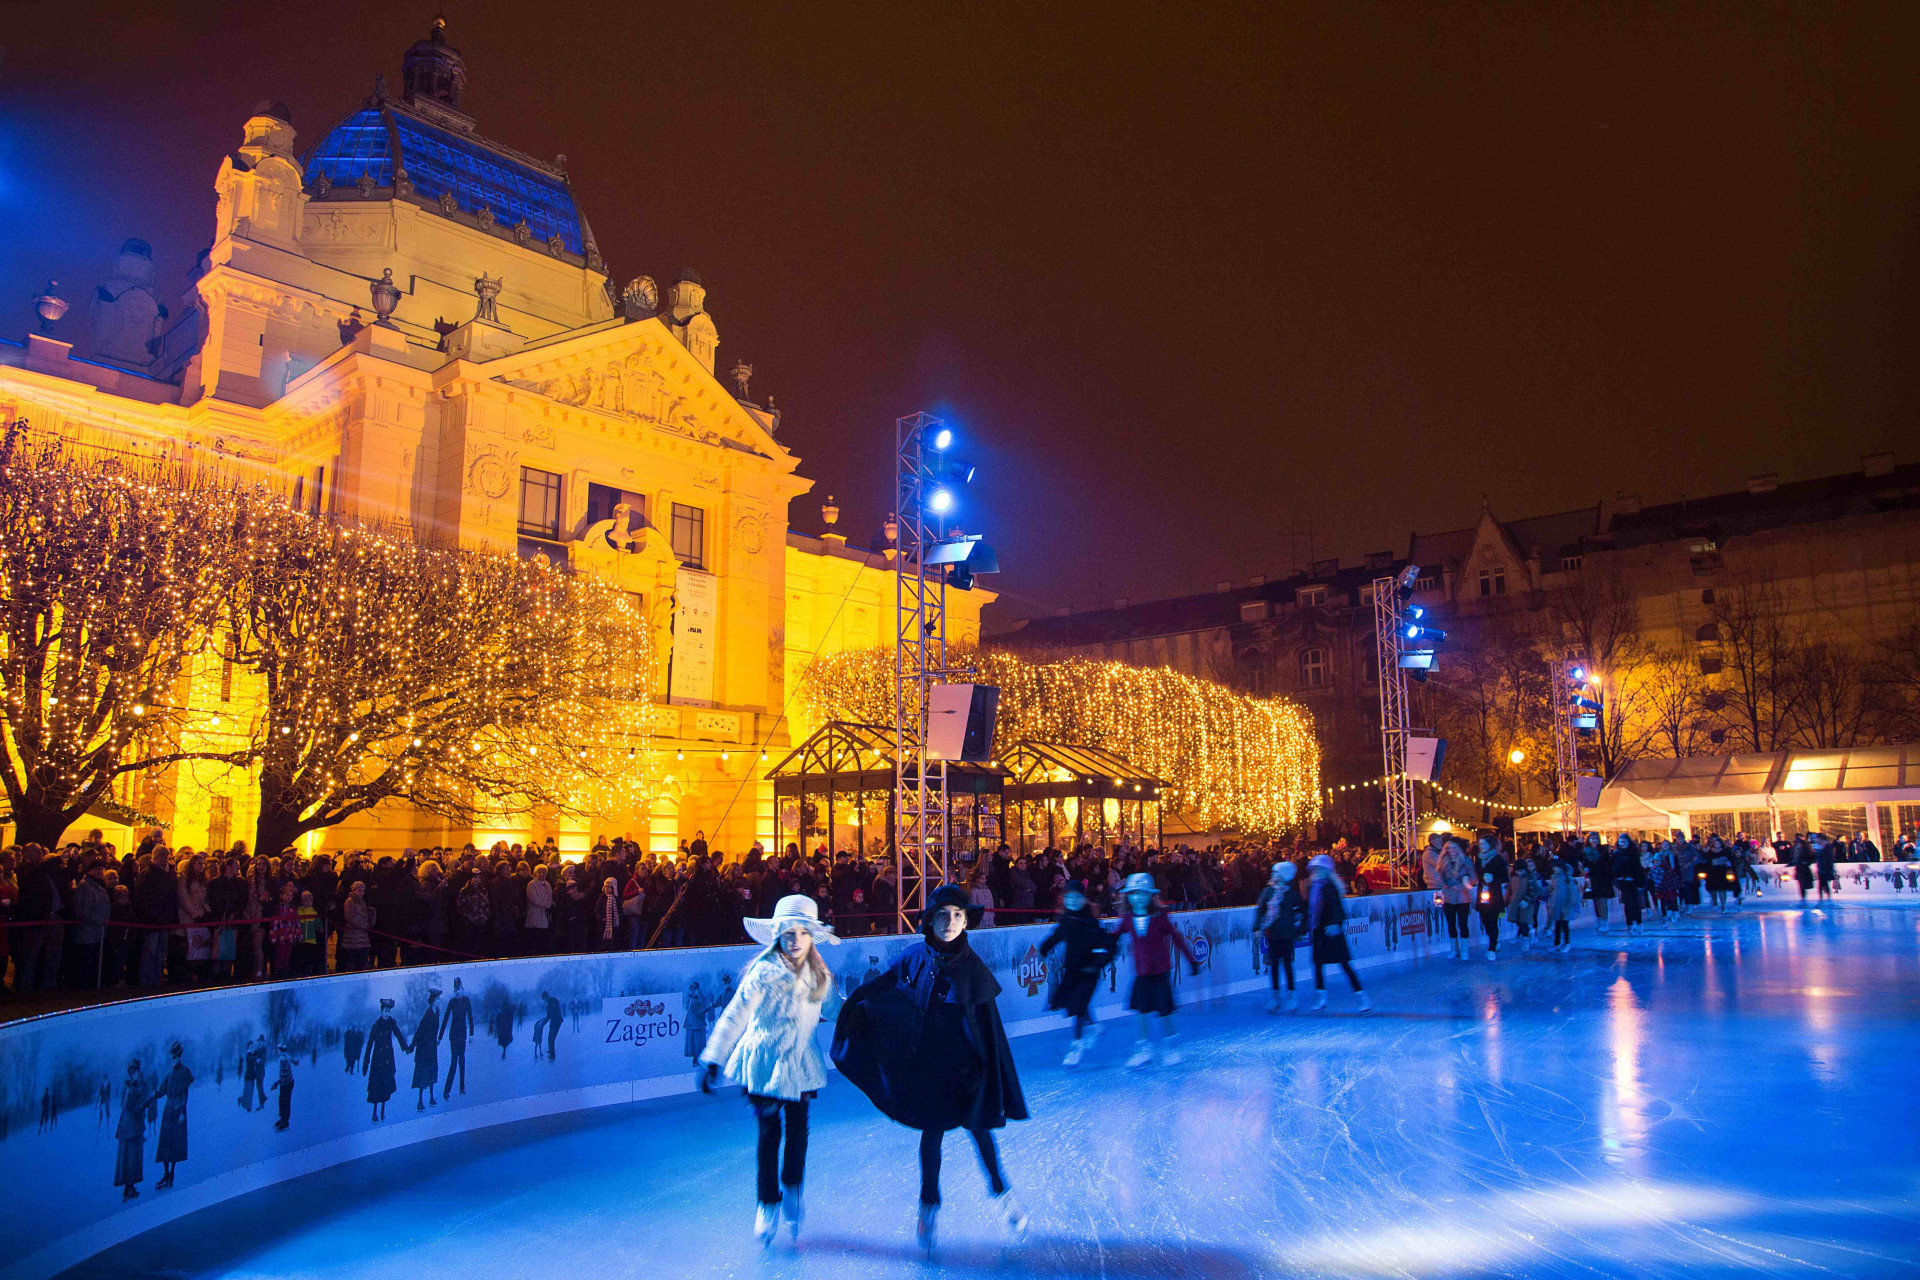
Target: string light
<point>1231,761</point>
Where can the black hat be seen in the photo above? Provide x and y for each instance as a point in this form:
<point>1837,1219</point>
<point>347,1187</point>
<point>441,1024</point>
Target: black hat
<point>1077,886</point>
<point>950,895</point>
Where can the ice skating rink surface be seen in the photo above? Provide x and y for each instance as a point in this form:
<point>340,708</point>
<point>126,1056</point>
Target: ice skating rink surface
<point>1735,1095</point>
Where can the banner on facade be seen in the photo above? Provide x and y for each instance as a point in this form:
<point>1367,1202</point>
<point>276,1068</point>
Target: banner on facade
<point>695,600</point>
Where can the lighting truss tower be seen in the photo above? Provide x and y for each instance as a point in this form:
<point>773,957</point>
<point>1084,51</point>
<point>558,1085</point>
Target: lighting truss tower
<point>919,663</point>
<point>1566,743</point>
<point>1394,729</point>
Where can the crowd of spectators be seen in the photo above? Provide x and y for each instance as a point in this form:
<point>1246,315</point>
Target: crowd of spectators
<point>87,916</point>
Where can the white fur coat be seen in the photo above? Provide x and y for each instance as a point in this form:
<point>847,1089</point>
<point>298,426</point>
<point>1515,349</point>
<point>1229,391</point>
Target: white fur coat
<point>764,1039</point>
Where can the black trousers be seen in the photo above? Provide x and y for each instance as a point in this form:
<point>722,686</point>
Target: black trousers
<point>456,1064</point>
<point>1562,932</point>
<point>1490,923</point>
<point>1457,923</point>
<point>1281,961</point>
<point>773,1170</point>
<point>930,1140</point>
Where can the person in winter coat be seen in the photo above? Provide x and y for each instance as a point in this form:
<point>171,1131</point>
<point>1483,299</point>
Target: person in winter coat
<point>538,929</point>
<point>171,1148</point>
<point>137,1104</point>
<point>1629,880</point>
<point>1455,884</point>
<point>426,1053</point>
<point>1089,950</point>
<point>1563,897</point>
<point>1824,856</point>
<point>925,1042</point>
<point>1327,917</point>
<point>1524,891</point>
<point>764,1041</point>
<point>1280,917</point>
<point>355,951</point>
<point>1663,880</point>
<point>1491,895</point>
<point>378,1062</point>
<point>1152,938</point>
<point>1599,865</point>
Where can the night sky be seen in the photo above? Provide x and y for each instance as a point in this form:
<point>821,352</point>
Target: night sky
<point>1206,290</point>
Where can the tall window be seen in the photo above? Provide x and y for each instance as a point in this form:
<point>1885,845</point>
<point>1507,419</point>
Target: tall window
<point>690,535</point>
<point>1493,582</point>
<point>539,503</point>
<point>1313,668</point>
<point>219,824</point>
<point>603,498</point>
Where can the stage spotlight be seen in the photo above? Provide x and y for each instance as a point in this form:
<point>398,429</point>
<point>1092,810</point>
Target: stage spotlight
<point>940,501</point>
<point>943,439</point>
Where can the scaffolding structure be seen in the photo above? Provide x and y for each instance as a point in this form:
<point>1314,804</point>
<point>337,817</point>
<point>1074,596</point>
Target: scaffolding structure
<point>1566,742</point>
<point>1394,729</point>
<point>919,662</point>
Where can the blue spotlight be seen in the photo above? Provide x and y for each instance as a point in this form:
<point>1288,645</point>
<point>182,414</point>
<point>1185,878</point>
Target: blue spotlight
<point>943,439</point>
<point>940,501</point>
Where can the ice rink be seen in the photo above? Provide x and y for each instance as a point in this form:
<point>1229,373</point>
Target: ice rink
<point>1736,1095</point>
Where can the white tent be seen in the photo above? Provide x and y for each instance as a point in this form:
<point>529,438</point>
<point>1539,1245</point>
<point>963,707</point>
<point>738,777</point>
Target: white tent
<point>1619,810</point>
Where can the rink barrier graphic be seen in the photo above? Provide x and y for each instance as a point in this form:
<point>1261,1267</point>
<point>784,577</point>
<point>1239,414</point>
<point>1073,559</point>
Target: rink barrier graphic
<point>516,1039</point>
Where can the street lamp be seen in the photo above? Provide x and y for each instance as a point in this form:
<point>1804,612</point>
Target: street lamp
<point>1516,756</point>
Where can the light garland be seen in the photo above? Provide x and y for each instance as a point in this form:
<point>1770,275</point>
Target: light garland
<point>1231,761</point>
<point>1458,795</point>
<point>463,683</point>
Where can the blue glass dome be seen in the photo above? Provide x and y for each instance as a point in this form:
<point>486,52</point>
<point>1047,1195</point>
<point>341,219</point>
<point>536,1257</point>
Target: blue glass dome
<point>440,161</point>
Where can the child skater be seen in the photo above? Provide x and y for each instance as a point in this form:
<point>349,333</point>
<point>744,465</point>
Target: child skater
<point>1089,950</point>
<point>1281,917</point>
<point>764,1041</point>
<point>1327,913</point>
<point>1146,925</point>
<point>924,1041</point>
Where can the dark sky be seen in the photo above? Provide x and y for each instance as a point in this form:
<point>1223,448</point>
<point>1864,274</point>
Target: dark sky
<point>1192,280</point>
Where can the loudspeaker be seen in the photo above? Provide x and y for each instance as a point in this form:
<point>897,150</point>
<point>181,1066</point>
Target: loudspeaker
<point>1589,791</point>
<point>960,721</point>
<point>1424,758</point>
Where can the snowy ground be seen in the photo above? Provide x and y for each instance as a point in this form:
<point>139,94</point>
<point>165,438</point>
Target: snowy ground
<point>1734,1096</point>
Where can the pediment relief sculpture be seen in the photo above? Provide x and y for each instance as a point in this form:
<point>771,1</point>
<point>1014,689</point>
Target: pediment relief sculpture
<point>629,388</point>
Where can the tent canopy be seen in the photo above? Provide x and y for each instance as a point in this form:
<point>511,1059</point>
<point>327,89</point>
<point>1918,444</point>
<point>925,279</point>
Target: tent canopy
<point>1619,810</point>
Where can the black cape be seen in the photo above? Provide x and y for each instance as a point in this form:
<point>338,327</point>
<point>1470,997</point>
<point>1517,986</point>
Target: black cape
<point>924,1041</point>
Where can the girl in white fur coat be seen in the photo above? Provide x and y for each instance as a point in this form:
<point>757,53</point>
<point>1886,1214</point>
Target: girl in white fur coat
<point>765,1041</point>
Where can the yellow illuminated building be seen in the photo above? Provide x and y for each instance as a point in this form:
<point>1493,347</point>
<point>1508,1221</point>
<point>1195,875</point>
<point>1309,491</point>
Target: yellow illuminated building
<point>410,323</point>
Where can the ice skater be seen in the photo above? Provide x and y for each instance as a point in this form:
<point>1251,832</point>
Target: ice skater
<point>1152,938</point>
<point>924,1041</point>
<point>284,1087</point>
<point>171,1148</point>
<point>1089,949</point>
<point>1327,913</point>
<point>1491,897</point>
<point>1280,917</point>
<point>551,1014</point>
<point>378,1065</point>
<point>1456,895</point>
<point>130,1135</point>
<point>457,1026</point>
<point>764,1041</point>
<point>426,1053</point>
<point>352,1043</point>
<point>1563,897</point>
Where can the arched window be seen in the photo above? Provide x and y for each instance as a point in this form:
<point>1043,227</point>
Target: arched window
<point>1313,668</point>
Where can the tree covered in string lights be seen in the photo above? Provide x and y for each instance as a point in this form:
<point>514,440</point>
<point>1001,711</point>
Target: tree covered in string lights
<point>1233,761</point>
<point>470,685</point>
<point>109,585</point>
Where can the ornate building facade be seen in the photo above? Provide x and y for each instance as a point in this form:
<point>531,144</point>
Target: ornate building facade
<point>408,322</point>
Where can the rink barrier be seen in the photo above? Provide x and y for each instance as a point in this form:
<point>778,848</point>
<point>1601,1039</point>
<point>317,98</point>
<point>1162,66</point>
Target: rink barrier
<point>630,1026</point>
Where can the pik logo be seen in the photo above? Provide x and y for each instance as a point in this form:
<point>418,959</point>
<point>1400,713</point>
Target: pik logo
<point>1202,949</point>
<point>1031,972</point>
<point>645,1009</point>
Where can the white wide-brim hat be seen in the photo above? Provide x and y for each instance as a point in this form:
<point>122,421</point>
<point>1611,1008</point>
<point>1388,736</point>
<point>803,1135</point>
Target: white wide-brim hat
<point>794,909</point>
<point>1140,882</point>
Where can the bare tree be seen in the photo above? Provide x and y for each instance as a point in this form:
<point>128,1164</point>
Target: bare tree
<point>1759,649</point>
<point>108,586</point>
<point>1489,698</point>
<point>468,685</point>
<point>1835,699</point>
<point>1599,617</point>
<point>1676,695</point>
<point>1895,676</point>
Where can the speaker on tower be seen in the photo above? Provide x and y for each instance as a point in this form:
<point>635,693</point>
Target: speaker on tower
<point>960,721</point>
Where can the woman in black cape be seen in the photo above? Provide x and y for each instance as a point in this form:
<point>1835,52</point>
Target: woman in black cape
<point>924,1041</point>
